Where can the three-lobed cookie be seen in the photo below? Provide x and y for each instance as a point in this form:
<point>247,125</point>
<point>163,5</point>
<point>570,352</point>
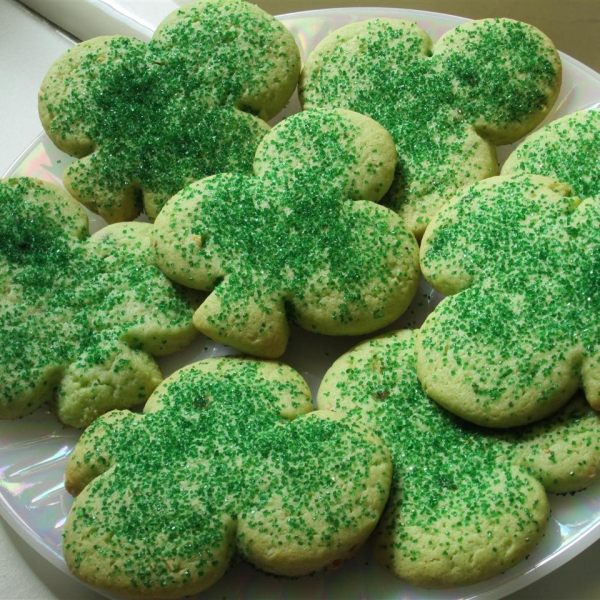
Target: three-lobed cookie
<point>80,316</point>
<point>302,239</point>
<point>447,105</point>
<point>227,459</point>
<point>519,256</point>
<point>147,119</point>
<point>466,503</point>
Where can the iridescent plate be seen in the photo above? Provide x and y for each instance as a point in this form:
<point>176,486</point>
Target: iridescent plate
<point>33,451</point>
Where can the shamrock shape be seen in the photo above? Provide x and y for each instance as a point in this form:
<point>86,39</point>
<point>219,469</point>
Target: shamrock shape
<point>300,237</point>
<point>146,119</point>
<point>447,106</point>
<point>79,316</point>
<point>520,255</point>
<point>225,460</point>
<point>466,503</point>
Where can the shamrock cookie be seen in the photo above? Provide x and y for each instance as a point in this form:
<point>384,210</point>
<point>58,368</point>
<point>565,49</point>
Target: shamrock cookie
<point>79,316</point>
<point>447,106</point>
<point>224,461</point>
<point>466,503</point>
<point>521,332</point>
<point>146,119</point>
<point>303,238</point>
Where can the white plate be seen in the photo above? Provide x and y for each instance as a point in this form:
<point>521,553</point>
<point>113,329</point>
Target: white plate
<point>33,451</point>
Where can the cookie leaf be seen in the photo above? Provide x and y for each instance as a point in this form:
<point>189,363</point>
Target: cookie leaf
<point>519,256</point>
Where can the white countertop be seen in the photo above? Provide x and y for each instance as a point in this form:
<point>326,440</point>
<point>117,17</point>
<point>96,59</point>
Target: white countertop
<point>28,45</point>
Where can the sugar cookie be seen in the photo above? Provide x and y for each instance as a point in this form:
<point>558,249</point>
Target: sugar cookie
<point>227,459</point>
<point>80,316</point>
<point>466,503</point>
<point>447,105</point>
<point>147,119</point>
<point>303,238</point>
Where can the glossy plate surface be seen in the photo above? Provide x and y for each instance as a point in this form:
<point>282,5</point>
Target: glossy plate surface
<point>33,451</point>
